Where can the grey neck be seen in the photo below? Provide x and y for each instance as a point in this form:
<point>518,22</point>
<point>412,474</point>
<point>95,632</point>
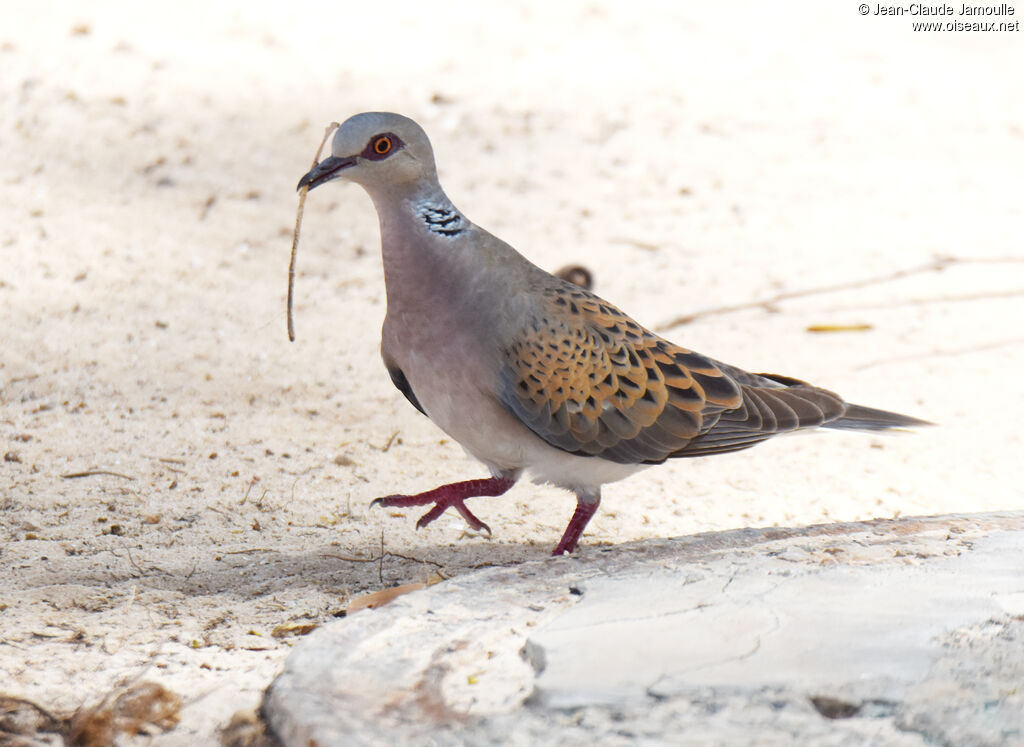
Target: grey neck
<point>422,240</point>
<point>422,208</point>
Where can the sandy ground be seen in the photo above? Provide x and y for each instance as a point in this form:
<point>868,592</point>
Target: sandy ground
<point>694,159</point>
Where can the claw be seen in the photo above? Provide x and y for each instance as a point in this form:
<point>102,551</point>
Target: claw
<point>450,496</point>
<point>460,506</point>
<point>384,501</point>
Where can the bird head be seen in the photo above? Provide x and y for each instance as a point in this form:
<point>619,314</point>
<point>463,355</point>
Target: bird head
<point>377,150</point>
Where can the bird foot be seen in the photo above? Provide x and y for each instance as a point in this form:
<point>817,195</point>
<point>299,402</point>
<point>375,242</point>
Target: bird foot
<point>454,496</point>
<point>585,509</point>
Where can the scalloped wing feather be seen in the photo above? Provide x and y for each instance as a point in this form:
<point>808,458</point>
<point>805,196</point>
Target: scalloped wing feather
<point>589,380</point>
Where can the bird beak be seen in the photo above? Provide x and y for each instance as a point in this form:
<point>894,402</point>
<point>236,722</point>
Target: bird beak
<point>328,169</point>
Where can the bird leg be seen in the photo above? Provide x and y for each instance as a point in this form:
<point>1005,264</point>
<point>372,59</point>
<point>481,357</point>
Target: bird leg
<point>586,507</point>
<point>452,496</point>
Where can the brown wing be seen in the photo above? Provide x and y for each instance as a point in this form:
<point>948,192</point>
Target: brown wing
<point>771,405</point>
<point>588,379</point>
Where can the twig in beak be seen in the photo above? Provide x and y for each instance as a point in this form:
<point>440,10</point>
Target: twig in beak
<point>298,223</point>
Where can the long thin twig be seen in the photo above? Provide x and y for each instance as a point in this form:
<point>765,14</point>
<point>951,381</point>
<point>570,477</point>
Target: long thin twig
<point>941,353</point>
<point>410,558</point>
<point>298,223</point>
<point>926,301</point>
<point>349,559</point>
<point>937,265</point>
<point>94,472</point>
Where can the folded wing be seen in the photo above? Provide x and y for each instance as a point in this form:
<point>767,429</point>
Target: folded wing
<point>588,379</point>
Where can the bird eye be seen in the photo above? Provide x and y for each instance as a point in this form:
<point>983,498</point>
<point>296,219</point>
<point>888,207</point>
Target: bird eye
<point>382,145</point>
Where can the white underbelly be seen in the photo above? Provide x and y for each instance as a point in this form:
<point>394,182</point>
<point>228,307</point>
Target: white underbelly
<point>489,432</point>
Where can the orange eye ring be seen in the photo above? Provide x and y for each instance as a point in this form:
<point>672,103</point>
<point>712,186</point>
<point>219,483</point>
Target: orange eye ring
<point>382,145</point>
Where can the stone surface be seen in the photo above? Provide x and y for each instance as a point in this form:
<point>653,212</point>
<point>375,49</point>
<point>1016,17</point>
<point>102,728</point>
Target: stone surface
<point>892,632</point>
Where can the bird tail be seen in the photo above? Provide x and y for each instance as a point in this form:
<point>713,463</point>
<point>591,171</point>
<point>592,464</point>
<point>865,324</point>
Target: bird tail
<point>860,418</point>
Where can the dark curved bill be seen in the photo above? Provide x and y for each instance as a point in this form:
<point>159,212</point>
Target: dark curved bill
<point>325,171</point>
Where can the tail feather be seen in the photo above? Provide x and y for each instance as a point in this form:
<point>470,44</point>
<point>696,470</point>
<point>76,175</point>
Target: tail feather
<point>861,418</point>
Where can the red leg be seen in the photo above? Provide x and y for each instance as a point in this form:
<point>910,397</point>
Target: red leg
<point>450,496</point>
<point>585,509</point>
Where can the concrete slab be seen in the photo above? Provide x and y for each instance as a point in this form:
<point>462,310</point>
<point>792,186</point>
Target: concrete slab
<point>888,632</point>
